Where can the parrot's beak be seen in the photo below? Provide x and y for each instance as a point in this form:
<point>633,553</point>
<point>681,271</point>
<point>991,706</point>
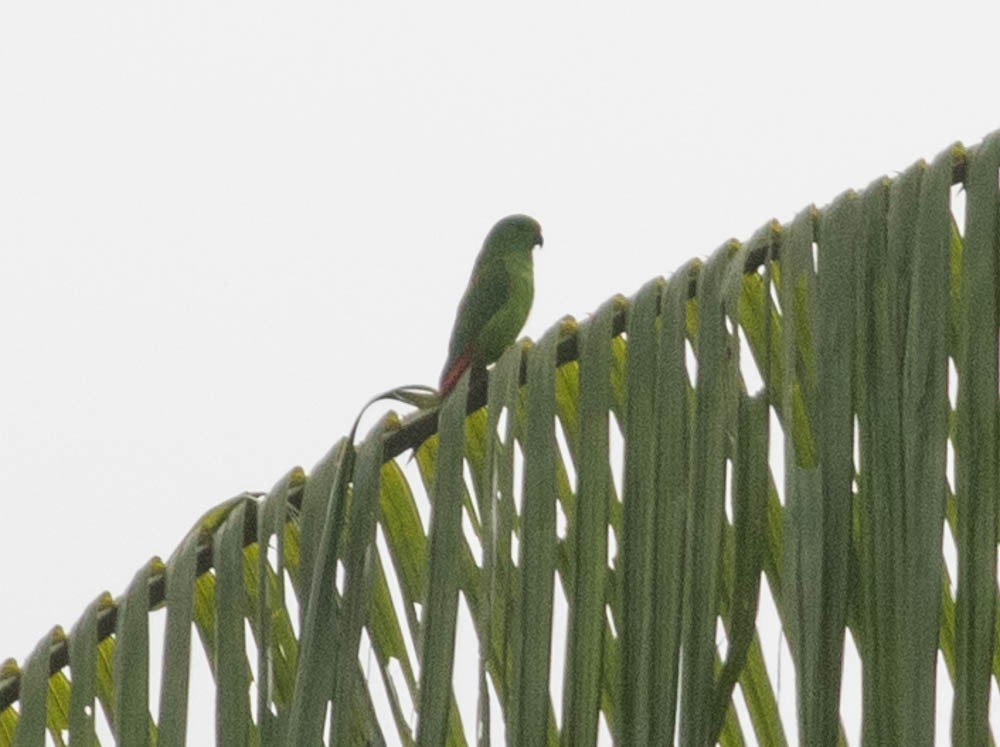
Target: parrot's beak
<point>541,241</point>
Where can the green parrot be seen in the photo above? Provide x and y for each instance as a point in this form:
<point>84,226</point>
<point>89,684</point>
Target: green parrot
<point>497,300</point>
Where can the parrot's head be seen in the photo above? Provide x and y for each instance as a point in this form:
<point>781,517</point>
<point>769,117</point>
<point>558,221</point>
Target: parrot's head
<point>516,233</point>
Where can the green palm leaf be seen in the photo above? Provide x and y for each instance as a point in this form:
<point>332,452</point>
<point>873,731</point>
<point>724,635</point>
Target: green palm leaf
<point>331,610</point>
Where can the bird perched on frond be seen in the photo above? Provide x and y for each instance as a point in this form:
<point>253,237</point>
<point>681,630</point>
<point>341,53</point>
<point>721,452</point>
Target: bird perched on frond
<point>497,300</point>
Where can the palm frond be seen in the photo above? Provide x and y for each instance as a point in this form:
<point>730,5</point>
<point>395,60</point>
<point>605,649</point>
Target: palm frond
<point>785,415</point>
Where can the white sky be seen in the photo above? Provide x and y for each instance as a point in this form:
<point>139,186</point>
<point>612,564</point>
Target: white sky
<point>223,226</point>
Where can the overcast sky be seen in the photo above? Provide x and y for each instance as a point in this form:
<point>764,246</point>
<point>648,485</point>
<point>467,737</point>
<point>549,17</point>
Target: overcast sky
<point>224,226</point>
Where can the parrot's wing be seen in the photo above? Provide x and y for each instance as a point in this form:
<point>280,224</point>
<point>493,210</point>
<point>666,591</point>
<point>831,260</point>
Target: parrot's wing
<point>489,289</point>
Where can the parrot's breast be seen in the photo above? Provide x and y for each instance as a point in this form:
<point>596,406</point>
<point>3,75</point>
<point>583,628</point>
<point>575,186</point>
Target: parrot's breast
<point>501,331</point>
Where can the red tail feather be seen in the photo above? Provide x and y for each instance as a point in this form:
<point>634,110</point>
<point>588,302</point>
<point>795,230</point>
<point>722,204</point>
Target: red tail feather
<point>451,376</point>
